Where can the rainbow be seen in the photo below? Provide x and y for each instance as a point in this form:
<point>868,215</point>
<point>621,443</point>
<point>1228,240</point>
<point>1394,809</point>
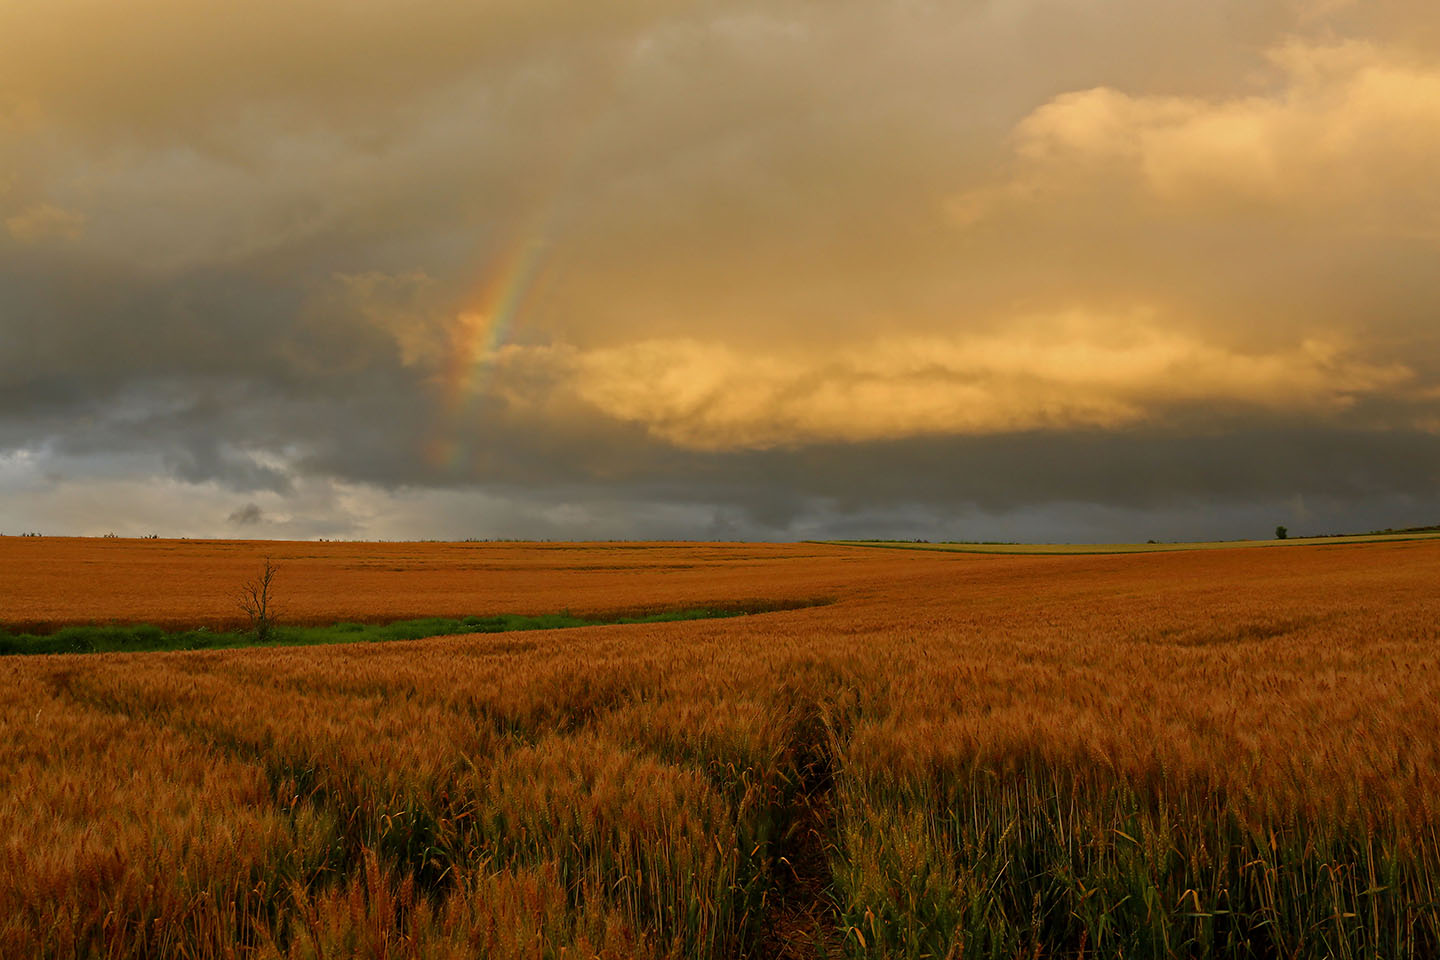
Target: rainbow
<point>476,337</point>
<point>496,305</point>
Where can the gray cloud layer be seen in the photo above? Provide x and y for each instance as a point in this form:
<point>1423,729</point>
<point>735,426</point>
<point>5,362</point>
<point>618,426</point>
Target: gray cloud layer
<point>719,268</point>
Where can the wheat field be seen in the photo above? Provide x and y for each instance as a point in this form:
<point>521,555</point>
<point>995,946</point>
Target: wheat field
<point>1213,753</point>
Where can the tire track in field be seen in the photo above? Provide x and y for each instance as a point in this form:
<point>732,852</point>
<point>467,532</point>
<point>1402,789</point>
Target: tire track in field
<point>803,918</point>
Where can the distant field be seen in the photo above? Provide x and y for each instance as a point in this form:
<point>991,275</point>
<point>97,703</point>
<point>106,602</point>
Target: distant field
<point>182,584</point>
<point>1210,753</point>
<point>1087,548</point>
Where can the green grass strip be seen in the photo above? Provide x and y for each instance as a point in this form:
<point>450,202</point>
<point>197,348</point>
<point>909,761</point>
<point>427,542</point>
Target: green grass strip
<point>1069,549</point>
<point>143,637</point>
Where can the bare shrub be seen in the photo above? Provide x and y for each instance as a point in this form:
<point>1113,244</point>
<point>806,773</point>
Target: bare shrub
<point>257,601</point>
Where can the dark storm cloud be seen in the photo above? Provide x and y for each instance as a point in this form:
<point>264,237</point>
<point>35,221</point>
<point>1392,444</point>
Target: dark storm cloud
<point>246,516</point>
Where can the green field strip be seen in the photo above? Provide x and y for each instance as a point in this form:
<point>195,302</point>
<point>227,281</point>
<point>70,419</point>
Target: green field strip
<point>135,638</point>
<point>1086,549</point>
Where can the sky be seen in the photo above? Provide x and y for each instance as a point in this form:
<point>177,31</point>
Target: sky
<point>1045,270</point>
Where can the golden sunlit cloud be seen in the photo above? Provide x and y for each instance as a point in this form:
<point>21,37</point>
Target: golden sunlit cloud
<point>1071,371</point>
<point>1351,126</point>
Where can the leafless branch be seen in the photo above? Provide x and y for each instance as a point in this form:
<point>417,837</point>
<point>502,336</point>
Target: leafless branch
<point>257,601</point>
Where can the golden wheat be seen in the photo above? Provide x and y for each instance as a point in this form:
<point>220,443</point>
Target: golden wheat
<point>1231,752</point>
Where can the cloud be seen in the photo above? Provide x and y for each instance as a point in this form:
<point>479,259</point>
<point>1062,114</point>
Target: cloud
<point>1074,371</point>
<point>44,222</point>
<point>769,267</point>
<point>1345,125</point>
<point>247,516</point>
<point>165,67</point>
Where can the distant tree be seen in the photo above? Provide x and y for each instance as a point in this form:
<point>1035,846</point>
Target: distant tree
<point>1281,533</point>
<point>257,600</point>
